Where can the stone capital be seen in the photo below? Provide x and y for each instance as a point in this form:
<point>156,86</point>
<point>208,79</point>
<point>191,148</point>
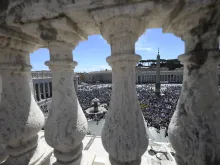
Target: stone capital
<point>201,48</point>
<point>61,57</point>
<point>122,26</point>
<point>124,60</point>
<point>121,33</point>
<point>61,65</point>
<point>15,54</point>
<point>196,40</point>
<point>199,57</point>
<point>61,44</point>
<point>16,44</point>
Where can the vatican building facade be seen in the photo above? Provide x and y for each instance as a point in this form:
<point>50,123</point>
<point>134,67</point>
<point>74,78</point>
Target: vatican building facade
<point>60,25</point>
<point>143,76</point>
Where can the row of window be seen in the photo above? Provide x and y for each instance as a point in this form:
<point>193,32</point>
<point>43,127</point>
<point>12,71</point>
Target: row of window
<point>152,78</point>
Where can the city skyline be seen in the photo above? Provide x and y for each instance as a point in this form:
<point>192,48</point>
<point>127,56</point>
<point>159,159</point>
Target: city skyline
<point>91,54</point>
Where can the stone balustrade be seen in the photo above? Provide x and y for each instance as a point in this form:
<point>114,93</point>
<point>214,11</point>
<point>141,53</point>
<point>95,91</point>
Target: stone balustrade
<point>60,25</point>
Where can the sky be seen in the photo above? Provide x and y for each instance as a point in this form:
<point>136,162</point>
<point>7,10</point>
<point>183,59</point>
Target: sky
<point>91,54</point>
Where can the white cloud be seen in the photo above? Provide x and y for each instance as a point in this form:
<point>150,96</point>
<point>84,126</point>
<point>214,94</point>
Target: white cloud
<point>144,49</point>
<point>143,45</point>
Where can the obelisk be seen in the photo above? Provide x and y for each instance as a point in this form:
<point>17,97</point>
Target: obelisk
<point>157,85</point>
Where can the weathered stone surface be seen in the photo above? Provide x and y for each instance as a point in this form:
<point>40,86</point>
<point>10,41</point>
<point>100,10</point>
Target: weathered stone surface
<point>193,131</point>
<point>20,117</point>
<point>60,29</point>
<point>188,15</point>
<point>66,125</point>
<point>194,128</point>
<point>124,134</point>
<point>175,16</point>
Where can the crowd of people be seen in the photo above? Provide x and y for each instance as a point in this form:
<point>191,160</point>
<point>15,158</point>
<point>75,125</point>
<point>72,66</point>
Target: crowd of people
<point>86,93</point>
<point>157,111</point>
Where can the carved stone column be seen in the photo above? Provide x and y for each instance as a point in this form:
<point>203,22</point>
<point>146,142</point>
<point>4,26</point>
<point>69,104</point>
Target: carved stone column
<point>194,129</point>
<point>66,125</point>
<point>20,117</point>
<point>124,135</point>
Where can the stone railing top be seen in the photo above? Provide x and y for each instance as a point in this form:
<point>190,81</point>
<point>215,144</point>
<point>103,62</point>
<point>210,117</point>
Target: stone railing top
<point>70,21</point>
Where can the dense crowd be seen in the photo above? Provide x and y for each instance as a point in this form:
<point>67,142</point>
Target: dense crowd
<point>86,93</point>
<point>157,111</point>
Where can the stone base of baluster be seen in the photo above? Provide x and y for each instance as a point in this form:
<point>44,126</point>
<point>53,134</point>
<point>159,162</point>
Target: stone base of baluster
<point>112,161</point>
<point>40,156</point>
<point>86,159</point>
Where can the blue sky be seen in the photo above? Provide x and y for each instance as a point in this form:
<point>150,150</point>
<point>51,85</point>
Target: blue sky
<point>91,54</point>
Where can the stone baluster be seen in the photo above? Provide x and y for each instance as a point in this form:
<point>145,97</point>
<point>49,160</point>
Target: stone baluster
<point>66,125</point>
<point>20,117</point>
<point>194,128</point>
<point>124,135</point>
